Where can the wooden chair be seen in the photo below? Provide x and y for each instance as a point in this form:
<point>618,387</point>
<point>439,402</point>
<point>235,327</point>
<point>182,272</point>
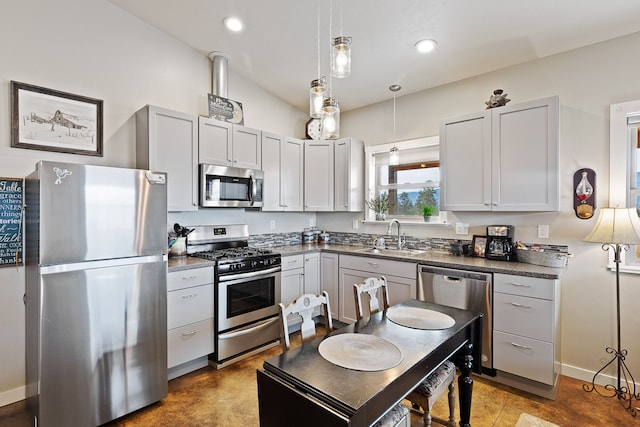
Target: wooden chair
<point>427,393</point>
<point>304,306</point>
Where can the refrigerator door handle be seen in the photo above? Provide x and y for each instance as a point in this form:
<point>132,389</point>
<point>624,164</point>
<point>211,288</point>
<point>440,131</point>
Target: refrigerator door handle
<point>156,178</point>
<point>84,265</point>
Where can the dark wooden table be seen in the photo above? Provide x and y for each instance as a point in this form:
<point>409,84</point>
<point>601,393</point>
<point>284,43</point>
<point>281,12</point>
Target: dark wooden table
<point>301,388</point>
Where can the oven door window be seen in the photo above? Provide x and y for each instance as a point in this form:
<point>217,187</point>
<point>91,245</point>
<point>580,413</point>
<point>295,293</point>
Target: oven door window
<point>246,297</point>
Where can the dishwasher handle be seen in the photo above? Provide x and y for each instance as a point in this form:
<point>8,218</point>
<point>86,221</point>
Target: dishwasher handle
<point>453,274</point>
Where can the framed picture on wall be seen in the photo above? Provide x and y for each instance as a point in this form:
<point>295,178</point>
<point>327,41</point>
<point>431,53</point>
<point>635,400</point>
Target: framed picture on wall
<point>478,245</point>
<point>50,120</point>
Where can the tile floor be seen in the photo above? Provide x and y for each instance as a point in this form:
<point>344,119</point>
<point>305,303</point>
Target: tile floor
<point>228,397</point>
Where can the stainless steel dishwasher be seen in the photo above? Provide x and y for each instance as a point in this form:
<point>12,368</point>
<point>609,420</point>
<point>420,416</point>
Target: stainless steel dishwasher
<point>467,290</point>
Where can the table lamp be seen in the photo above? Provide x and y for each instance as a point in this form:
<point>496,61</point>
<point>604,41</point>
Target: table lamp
<point>616,229</point>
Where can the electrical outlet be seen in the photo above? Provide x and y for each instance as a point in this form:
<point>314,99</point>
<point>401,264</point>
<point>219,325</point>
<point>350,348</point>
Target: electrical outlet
<point>272,225</point>
<point>543,231</point>
<point>355,224</point>
<point>462,228</point>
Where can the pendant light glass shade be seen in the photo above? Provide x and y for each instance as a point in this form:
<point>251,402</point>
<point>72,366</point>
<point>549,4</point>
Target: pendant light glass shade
<point>317,94</point>
<point>394,156</point>
<point>330,119</point>
<point>341,57</point>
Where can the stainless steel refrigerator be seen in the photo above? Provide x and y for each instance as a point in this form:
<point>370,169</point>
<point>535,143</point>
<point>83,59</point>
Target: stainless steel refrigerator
<point>96,292</point>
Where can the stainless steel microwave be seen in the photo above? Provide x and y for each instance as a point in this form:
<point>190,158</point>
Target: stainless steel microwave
<point>229,187</point>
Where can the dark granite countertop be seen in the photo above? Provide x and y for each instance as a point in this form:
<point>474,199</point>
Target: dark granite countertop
<point>433,258</point>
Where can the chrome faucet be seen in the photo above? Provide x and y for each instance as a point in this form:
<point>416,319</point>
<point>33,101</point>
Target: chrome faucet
<point>401,239</point>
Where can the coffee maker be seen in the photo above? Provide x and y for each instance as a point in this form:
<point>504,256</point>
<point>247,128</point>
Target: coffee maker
<point>499,242</point>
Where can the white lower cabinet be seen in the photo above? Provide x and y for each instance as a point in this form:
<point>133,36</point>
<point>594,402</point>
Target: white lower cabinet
<point>329,279</point>
<point>291,278</point>
<point>300,275</point>
<point>526,327</point>
<point>400,275</point>
<point>190,317</point>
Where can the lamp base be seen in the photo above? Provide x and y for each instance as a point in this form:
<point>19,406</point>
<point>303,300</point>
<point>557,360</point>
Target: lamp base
<point>625,391</point>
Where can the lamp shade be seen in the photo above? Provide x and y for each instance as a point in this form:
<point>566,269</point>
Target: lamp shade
<point>616,225</point>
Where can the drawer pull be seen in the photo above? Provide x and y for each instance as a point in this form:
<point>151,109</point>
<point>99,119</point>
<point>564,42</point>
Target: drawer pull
<point>374,264</point>
<point>190,296</point>
<point>189,278</point>
<point>521,346</point>
<point>293,261</point>
<point>515,304</point>
<point>519,285</point>
<point>189,334</point>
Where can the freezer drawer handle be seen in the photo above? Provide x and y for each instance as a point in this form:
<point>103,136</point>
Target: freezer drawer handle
<point>521,346</point>
<point>190,296</point>
<point>515,304</point>
<point>189,334</point>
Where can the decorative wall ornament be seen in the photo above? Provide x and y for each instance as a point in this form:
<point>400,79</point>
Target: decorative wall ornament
<point>584,199</point>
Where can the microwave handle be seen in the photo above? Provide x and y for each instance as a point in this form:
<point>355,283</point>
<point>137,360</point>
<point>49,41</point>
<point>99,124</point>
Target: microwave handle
<point>253,190</point>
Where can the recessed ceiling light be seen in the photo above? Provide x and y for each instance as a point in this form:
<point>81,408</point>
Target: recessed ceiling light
<point>424,46</point>
<point>233,24</point>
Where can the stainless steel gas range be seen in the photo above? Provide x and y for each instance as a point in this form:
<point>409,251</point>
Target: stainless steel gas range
<point>247,290</point>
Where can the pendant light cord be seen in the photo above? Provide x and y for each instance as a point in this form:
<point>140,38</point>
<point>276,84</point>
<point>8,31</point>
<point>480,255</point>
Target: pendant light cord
<point>318,15</point>
<point>330,49</point>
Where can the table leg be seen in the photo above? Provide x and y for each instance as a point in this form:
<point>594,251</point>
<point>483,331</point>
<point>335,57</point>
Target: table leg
<point>465,386</point>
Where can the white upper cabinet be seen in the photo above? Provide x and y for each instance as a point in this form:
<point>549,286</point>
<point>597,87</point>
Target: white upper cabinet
<point>319,176</point>
<point>227,144</point>
<point>349,175</point>
<point>167,141</point>
<point>502,159</point>
<point>283,166</point>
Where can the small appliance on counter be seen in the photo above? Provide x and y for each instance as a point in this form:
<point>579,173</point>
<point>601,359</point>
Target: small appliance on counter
<point>499,242</point>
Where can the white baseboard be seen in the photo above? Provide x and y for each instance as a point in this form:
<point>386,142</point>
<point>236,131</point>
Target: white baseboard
<point>587,376</point>
<point>12,396</point>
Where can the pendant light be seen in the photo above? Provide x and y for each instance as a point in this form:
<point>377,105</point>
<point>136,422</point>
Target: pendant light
<point>341,54</point>
<point>330,122</point>
<point>318,90</point>
<point>341,57</point>
<point>394,153</point>
<point>330,119</point>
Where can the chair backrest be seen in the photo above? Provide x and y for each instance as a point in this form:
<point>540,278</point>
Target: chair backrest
<point>370,286</point>
<point>304,306</point>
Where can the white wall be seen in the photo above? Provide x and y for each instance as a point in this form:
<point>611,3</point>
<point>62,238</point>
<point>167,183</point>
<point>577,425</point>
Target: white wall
<point>587,81</point>
<point>93,48</point>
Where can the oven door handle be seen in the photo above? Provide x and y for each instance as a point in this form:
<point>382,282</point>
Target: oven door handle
<point>249,330</point>
<point>249,275</point>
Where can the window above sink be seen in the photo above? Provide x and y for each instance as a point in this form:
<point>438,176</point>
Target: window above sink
<point>411,184</point>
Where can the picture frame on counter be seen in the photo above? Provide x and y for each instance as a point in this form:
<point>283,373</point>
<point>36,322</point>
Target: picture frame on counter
<point>51,120</point>
<point>478,246</point>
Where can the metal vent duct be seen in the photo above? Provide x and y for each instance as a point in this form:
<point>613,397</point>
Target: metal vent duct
<point>219,72</point>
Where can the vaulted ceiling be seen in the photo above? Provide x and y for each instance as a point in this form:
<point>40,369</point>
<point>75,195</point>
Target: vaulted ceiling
<point>278,48</point>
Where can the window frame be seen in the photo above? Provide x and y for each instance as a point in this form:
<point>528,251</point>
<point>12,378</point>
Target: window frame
<point>370,175</point>
<point>619,178</point>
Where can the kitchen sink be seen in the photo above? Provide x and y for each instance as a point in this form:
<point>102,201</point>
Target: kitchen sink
<point>390,251</point>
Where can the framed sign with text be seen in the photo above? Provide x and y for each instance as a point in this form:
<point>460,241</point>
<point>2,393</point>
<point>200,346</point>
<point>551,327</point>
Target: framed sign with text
<point>226,110</point>
<point>11,194</point>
